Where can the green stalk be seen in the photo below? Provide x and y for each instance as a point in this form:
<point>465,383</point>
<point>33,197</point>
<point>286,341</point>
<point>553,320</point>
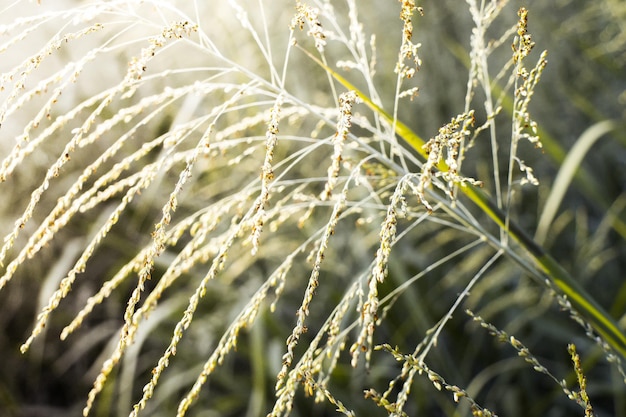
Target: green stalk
<point>582,302</point>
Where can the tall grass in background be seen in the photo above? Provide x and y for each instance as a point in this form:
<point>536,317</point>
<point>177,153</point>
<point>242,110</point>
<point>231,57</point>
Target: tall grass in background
<point>309,208</point>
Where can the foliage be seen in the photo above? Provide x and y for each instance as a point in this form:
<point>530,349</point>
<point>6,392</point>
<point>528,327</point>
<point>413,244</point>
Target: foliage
<point>185,176</point>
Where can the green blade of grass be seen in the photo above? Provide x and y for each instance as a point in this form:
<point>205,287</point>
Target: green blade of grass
<point>583,303</point>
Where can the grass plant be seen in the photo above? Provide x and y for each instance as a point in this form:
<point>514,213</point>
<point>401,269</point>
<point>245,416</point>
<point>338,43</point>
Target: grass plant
<point>226,209</point>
